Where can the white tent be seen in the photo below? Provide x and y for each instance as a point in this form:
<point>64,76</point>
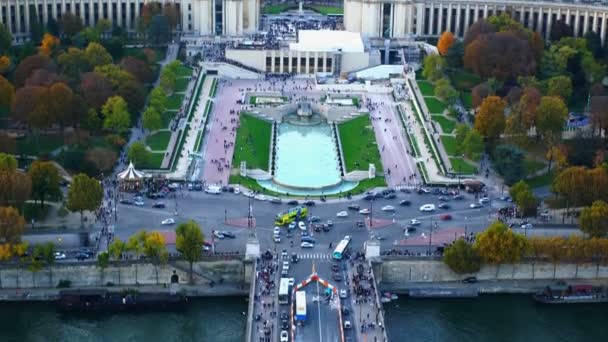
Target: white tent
<point>130,174</point>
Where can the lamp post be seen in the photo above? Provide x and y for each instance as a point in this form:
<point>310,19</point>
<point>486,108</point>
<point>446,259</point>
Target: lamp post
<point>371,215</point>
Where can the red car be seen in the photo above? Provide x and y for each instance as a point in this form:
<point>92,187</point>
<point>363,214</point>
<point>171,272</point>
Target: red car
<point>446,217</point>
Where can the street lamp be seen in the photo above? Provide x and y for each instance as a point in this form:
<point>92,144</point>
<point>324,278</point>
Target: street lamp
<point>371,213</point>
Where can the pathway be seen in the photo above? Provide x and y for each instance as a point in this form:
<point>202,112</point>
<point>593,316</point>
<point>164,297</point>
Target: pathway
<point>391,142</point>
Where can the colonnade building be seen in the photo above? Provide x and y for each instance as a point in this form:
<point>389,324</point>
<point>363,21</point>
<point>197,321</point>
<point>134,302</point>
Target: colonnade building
<point>427,18</point>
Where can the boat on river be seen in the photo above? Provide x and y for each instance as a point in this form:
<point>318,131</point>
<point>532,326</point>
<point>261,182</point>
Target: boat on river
<point>100,300</point>
<point>571,294</point>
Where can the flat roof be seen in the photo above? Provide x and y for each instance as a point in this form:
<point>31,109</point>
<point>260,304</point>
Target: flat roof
<point>328,41</point>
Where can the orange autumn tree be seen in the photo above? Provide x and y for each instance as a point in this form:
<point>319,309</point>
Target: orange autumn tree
<point>5,62</point>
<point>445,42</point>
<point>48,44</point>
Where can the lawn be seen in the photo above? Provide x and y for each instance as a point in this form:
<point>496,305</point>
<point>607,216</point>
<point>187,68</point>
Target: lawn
<point>435,106</point>
<point>359,144</point>
<point>542,180</point>
<point>467,99</point>
<point>449,142</point>
<point>463,80</point>
<point>184,71</point>
<point>213,88</point>
<point>174,101</point>
<point>426,88</point>
<point>276,9</point>
<point>532,165</point>
<point>158,141</point>
<point>328,9</point>
<point>39,144</point>
<point>167,116</point>
<point>447,125</point>
<point>252,143</point>
<point>462,166</point>
<point>181,84</point>
<point>199,140</point>
<point>156,159</point>
<point>161,52</point>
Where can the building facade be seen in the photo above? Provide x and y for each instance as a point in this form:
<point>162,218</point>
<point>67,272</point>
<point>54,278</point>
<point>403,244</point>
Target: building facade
<point>428,18</point>
<point>202,17</point>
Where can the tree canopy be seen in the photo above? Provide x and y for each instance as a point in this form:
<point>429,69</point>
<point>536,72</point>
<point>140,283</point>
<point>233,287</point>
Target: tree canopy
<point>498,244</point>
<point>461,257</point>
<point>490,119</point>
<point>85,193</point>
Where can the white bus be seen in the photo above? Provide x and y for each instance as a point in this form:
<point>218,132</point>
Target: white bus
<point>341,248</point>
<point>284,291</point>
<point>300,306</point>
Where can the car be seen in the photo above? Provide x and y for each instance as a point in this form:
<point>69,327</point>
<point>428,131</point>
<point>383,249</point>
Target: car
<point>474,205</point>
<point>249,194</point>
<point>276,230</point>
<point>369,197</point>
<point>284,273</point>
<point>294,258</point>
<point>293,202</point>
<point>218,234</point>
<point>469,280</point>
<point>337,276</point>
<point>329,223</point>
<point>158,205</point>
<point>276,200</point>
<point>314,219</point>
<point>139,203</point>
<point>484,200</point>
<point>316,227</point>
<point>292,225</point>
<point>260,197</point>
<point>307,245</point>
<point>443,206</point>
<point>284,336</point>
<point>388,208</point>
<point>378,237</point>
<point>286,265</point>
<point>347,325</point>
<point>228,234</point>
<point>391,195</point>
<point>59,255</point>
<point>302,226</point>
<point>410,229</point>
<point>82,256</point>
<point>284,324</point>
<point>284,315</point>
<point>342,214</point>
<point>443,198</point>
<point>304,233</point>
<point>284,254</point>
<point>364,211</point>
<point>326,227</point>
<point>526,226</point>
<point>360,223</point>
<point>414,222</point>
<point>335,267</point>
<point>125,201</point>
<point>310,203</point>
<point>347,237</point>
<point>422,191</point>
<point>167,222</point>
<point>458,197</point>
<point>405,203</point>
<point>427,207</point>
<point>354,207</point>
<point>343,294</point>
<point>445,217</point>
<point>345,311</point>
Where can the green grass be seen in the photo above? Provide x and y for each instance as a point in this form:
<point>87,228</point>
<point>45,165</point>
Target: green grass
<point>199,140</point>
<point>181,84</point>
<point>542,180</point>
<point>213,88</point>
<point>422,169</point>
<point>463,80</point>
<point>276,9</point>
<point>167,116</point>
<point>174,101</point>
<point>180,146</point>
<point>467,99</point>
<point>158,141</point>
<point>39,144</point>
<point>462,166</point>
<point>426,88</point>
<point>252,143</point>
<point>435,106</point>
<point>156,159</point>
<point>447,125</point>
<point>184,71</point>
<point>449,142</point>
<point>328,9</point>
<point>359,144</point>
<point>532,165</point>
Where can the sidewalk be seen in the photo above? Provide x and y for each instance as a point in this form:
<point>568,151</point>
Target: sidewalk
<point>368,319</point>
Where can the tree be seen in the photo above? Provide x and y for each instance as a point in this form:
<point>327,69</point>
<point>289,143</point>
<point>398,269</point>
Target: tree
<point>156,250</point>
<point>445,42</point>
<point>455,55</point>
<point>568,184</point>
<point>48,44</point>
<point>103,261</point>
<point>5,63</point>
<point>137,68</point>
<point>558,155</point>
<point>139,154</point>
<point>433,66</point>
<point>6,39</point>
<point>135,96</point>
<point>472,145</point>
<point>114,74</point>
<point>97,55</point>
<point>461,257</point>
<point>73,63</point>
<point>461,132</point>
<point>498,244</point>
<point>189,241</point>
<point>60,102</point>
<point>15,188</point>
<point>479,93</point>
<point>28,65</point>
<point>44,255</point>
<point>117,249</point>
<point>560,86</point>
<point>594,219</point>
<point>36,28</point>
<point>159,29</point>
<point>490,120</point>
<point>7,162</point>
<point>151,120</point>
<point>104,159</point>
<point>7,92</point>
<point>445,91</point>
<point>167,82</point>
<point>116,114</point>
<point>171,11</point>
<point>12,225</point>
<point>158,99</point>
<point>509,163</point>
<point>560,29</point>
<point>551,116</point>
<point>524,198</point>
<point>70,24</point>
<point>45,180</point>
<point>85,193</point>
<point>96,89</point>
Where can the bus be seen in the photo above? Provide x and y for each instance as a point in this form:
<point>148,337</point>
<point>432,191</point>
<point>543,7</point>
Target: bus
<point>341,248</point>
<point>290,215</point>
<point>300,306</point>
<point>284,291</point>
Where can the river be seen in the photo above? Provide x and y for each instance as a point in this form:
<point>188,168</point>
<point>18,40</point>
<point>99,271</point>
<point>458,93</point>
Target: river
<point>487,318</point>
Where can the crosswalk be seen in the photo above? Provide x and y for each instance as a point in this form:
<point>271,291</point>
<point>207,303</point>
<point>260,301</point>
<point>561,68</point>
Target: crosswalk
<point>315,256</point>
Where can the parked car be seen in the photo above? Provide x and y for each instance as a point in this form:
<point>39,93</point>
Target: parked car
<point>284,336</point>
<point>360,223</point>
<point>310,203</point>
<point>276,200</point>
<point>60,256</point>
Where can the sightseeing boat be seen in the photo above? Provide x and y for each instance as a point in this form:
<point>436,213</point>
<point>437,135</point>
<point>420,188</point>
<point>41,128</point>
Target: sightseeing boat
<point>95,300</point>
<point>568,294</point>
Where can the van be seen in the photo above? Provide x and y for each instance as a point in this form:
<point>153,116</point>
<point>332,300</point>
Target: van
<point>213,189</point>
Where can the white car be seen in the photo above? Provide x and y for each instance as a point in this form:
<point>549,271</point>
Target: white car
<point>427,207</point>
<point>302,226</point>
<point>213,189</point>
<point>291,281</point>
<point>474,205</point>
<point>286,265</point>
<point>276,239</point>
<point>307,245</point>
<point>59,256</point>
<point>484,200</point>
<point>347,237</point>
<point>139,203</point>
<point>526,226</point>
<point>218,234</point>
<point>237,190</point>
<point>249,194</point>
<point>292,225</point>
<point>414,222</point>
<point>167,222</point>
<point>364,211</point>
<point>260,197</point>
<point>343,294</point>
<point>388,208</point>
<point>276,231</point>
<point>342,214</point>
<point>284,336</point>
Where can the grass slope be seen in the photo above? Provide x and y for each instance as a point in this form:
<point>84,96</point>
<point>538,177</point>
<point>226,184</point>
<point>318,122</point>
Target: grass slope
<point>359,144</point>
<point>252,143</point>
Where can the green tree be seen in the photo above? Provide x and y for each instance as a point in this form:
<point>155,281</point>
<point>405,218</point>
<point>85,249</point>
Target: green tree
<point>117,249</point>
<point>7,162</point>
<point>97,55</point>
<point>433,66</point>
<point>461,132</point>
<point>189,241</point>
<point>498,244</point>
<point>560,86</point>
<point>103,261</point>
<point>116,114</point>
<point>114,74</point>
<point>472,146</point>
<point>85,193</point>
<point>45,180</point>
<point>70,24</point>
<point>156,250</point>
<point>509,163</point>
<point>594,219</point>
<point>44,255</point>
<point>445,91</point>
<point>151,119</point>
<point>551,116</point>
<point>6,39</point>
<point>139,154</point>
<point>455,55</point>
<point>158,99</point>
<point>159,29</point>
<point>461,257</point>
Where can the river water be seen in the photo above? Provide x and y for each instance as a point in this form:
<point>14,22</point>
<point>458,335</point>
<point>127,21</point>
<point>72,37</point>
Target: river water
<point>487,318</point>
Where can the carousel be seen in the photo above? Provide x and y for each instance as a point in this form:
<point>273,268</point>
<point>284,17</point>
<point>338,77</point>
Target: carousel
<point>130,179</point>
